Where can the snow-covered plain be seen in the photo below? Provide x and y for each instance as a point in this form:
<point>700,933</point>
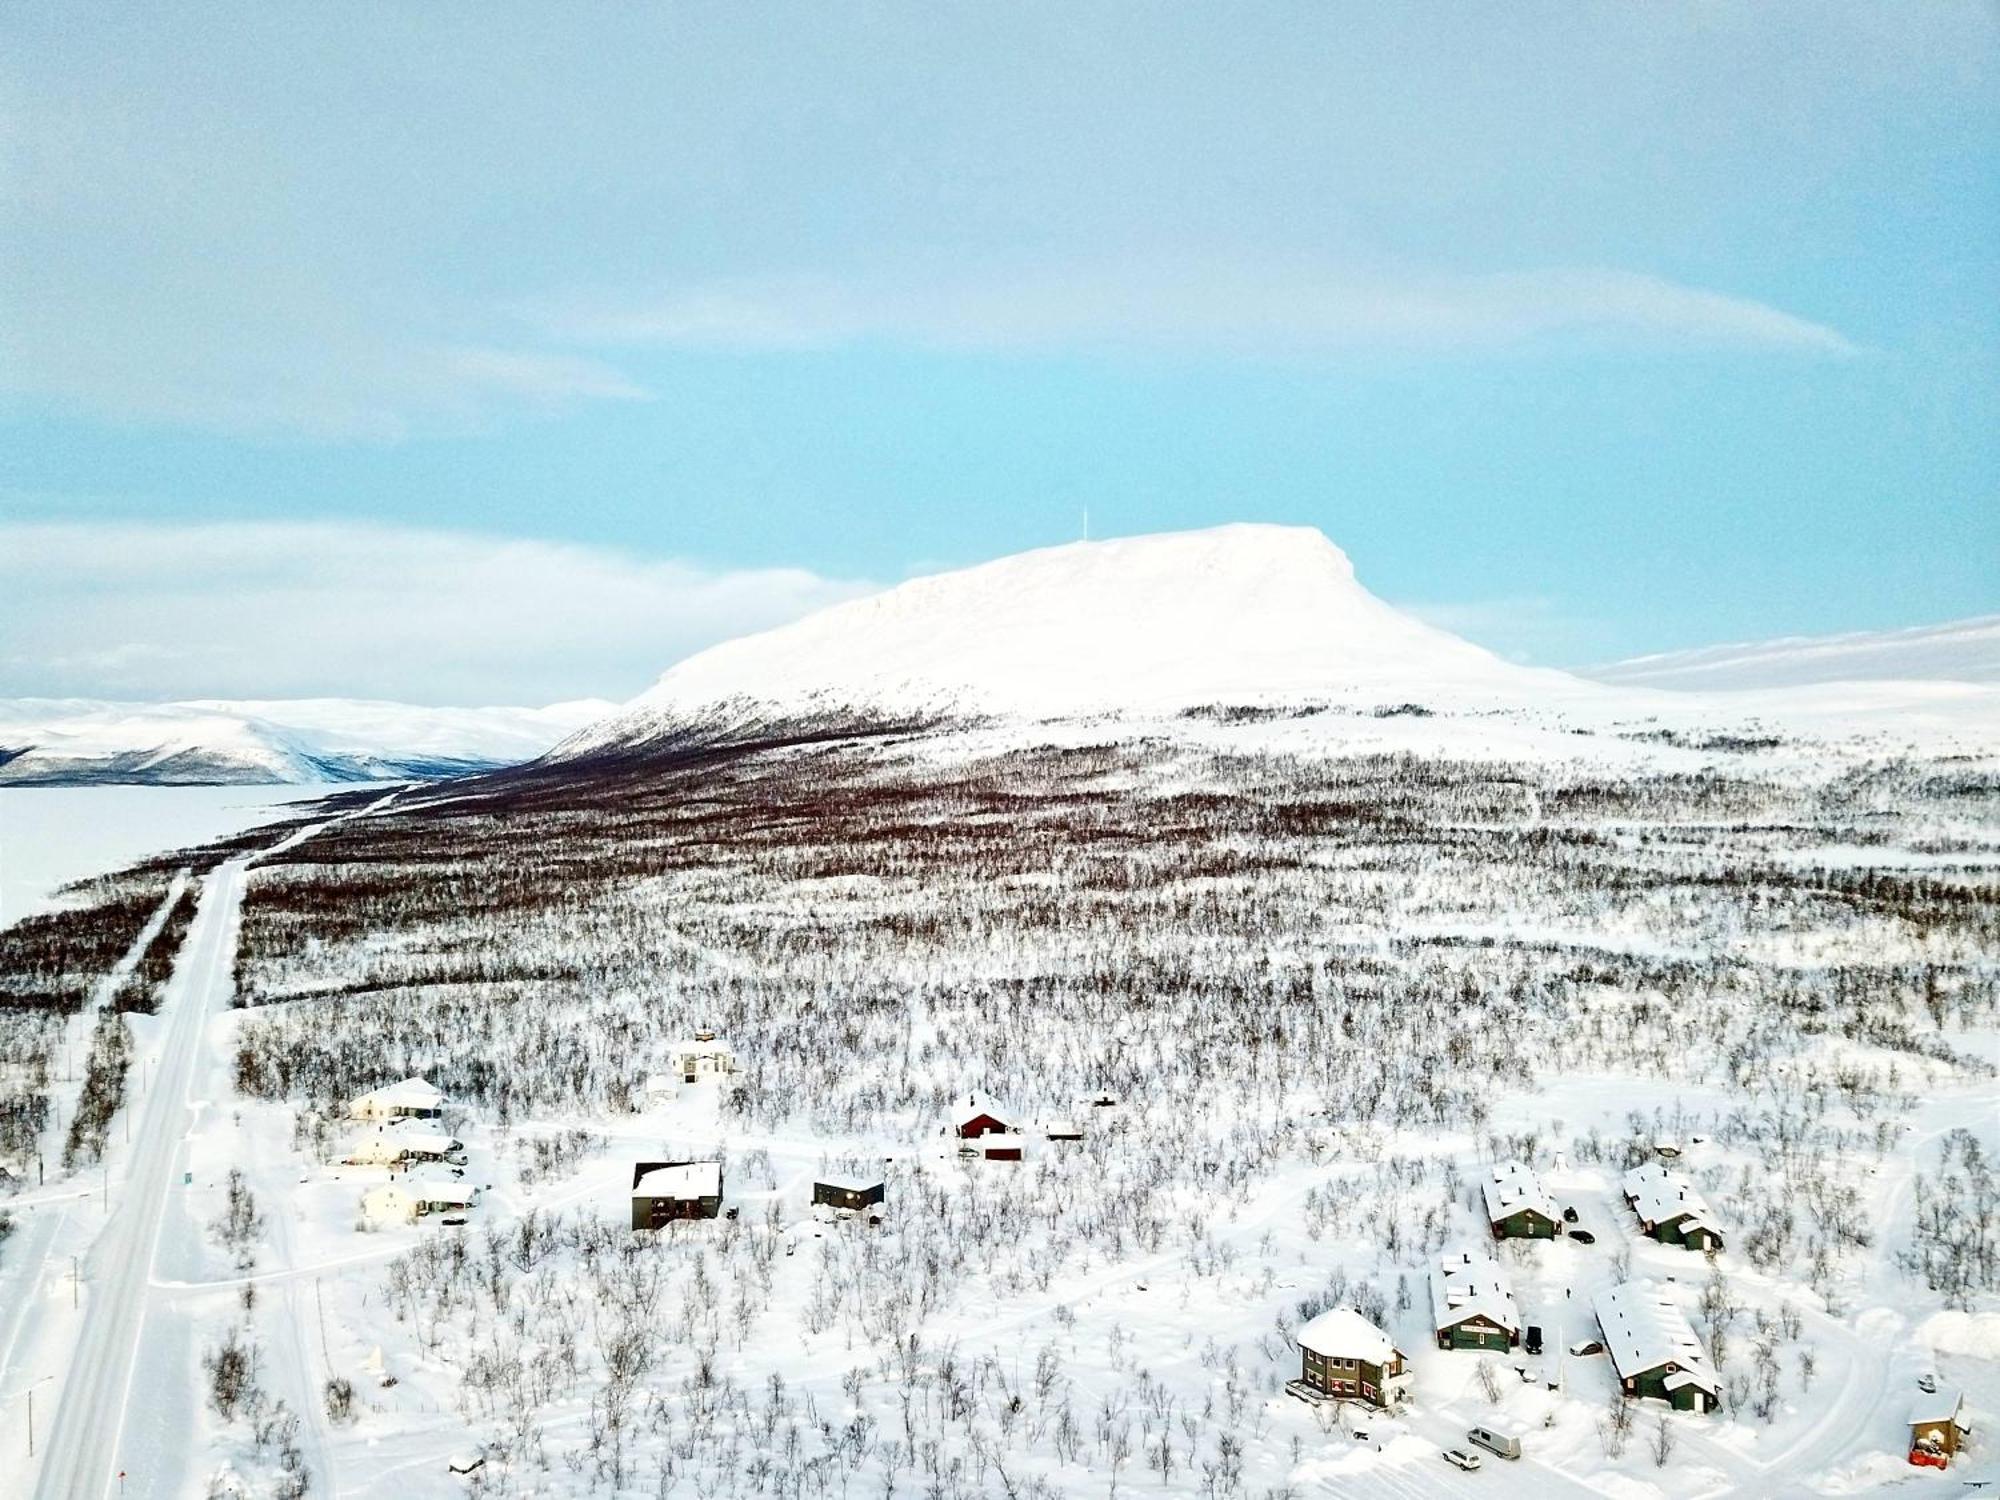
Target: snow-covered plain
<point>1332,956</point>
<point>52,836</point>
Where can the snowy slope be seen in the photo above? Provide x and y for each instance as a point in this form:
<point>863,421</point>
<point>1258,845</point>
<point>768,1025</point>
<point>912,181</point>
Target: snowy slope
<point>79,741</point>
<point>1240,616</point>
<point>1962,651</point>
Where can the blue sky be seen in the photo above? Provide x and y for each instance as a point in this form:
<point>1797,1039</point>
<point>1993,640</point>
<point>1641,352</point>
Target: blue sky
<point>465,355</point>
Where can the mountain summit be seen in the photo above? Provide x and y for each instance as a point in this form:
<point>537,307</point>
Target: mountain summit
<point>1245,615</point>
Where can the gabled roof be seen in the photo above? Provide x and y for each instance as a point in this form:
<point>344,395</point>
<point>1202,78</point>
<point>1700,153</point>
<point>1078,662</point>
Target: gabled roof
<point>1937,1407</point>
<point>977,1105</point>
<point>1465,1285</point>
<point>1660,1195</point>
<point>411,1093</point>
<point>1644,1330</point>
<point>679,1179</point>
<point>1511,1187</point>
<point>1342,1333</point>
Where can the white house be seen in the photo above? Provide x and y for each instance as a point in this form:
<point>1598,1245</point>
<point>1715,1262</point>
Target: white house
<point>1654,1349</point>
<point>399,1141</point>
<point>1472,1304</point>
<point>701,1056</point>
<point>408,1199</point>
<point>412,1099</point>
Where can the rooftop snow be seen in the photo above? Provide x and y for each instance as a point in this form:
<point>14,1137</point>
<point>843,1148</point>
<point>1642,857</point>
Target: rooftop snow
<point>411,1093</point>
<point>1644,1330</point>
<point>687,1179</point>
<point>1465,1285</point>
<point>1659,1196</point>
<point>1342,1333</point>
<point>1511,1187</point>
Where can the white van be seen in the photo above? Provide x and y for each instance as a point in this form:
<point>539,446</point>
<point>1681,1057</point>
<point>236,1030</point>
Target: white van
<point>1493,1440</point>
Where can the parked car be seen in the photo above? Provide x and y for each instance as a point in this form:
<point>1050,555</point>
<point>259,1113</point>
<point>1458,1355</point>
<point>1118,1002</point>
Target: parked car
<point>453,1219</point>
<point>1927,1383</point>
<point>1463,1458</point>
<point>1569,1214</point>
<point>1534,1338</point>
<point>1583,1236</point>
<point>1587,1346</point>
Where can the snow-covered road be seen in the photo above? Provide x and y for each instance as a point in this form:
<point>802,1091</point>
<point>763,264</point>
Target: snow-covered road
<point>82,1460</point>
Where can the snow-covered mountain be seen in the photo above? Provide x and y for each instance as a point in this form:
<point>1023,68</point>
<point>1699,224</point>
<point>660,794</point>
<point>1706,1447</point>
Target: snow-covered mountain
<point>1245,616</point>
<point>1962,651</point>
<point>73,741</point>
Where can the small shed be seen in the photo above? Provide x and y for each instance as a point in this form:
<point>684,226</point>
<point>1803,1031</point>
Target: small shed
<point>851,1193</point>
<point>1937,1424</point>
<point>1064,1130</point>
<point>663,1191</point>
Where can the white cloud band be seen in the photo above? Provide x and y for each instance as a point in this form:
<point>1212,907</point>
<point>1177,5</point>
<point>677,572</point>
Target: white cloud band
<point>283,609</point>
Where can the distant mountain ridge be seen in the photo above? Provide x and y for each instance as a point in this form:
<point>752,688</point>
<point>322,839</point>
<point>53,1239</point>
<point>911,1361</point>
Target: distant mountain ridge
<point>213,742</point>
<point>1244,616</point>
<point>1959,651</point>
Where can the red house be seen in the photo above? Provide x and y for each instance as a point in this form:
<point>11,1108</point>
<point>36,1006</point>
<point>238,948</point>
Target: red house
<point>975,1119</point>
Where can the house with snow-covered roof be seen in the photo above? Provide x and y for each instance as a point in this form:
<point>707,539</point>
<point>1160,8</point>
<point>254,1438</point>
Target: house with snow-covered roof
<point>979,1116</point>
<point>663,1191</point>
<point>1670,1208</point>
<point>1654,1349</point>
<point>1472,1303</point>
<point>409,1199</point>
<point>400,1140</point>
<point>701,1056</point>
<point>1517,1205</point>
<point>1345,1357</point>
<point>412,1099</point>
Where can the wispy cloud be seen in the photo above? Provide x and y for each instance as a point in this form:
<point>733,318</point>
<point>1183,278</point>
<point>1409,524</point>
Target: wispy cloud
<point>1226,307</point>
<point>137,610</point>
<point>1521,627</point>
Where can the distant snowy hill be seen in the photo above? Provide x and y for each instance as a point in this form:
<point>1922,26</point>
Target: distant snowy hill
<point>1963,651</point>
<point>55,742</point>
<point>1249,617</point>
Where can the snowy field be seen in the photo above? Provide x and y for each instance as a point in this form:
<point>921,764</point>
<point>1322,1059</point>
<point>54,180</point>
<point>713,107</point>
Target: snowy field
<point>1330,969</point>
<point>51,836</point>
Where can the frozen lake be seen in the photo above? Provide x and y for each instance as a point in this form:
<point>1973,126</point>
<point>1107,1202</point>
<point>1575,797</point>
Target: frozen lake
<point>50,836</point>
